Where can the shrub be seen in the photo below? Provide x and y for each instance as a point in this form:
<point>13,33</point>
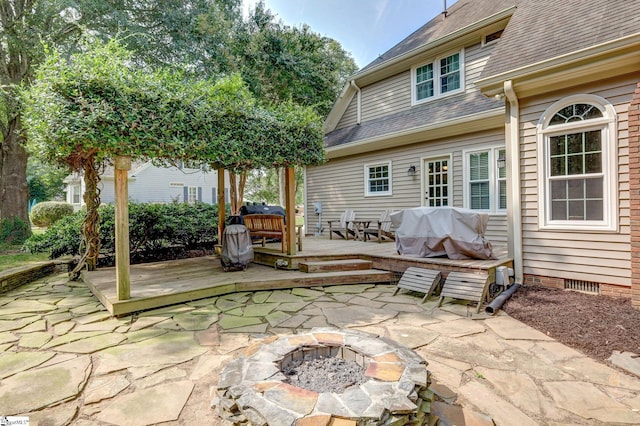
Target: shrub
<point>14,231</point>
<point>47,213</point>
<point>152,227</point>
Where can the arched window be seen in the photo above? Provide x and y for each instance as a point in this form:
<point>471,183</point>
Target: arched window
<point>577,149</point>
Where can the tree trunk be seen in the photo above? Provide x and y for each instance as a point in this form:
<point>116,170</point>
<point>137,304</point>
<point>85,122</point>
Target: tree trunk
<point>14,192</point>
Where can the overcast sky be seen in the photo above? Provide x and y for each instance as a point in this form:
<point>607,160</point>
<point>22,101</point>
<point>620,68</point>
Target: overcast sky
<point>366,28</point>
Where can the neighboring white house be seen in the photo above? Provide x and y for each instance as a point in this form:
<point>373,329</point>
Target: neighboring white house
<point>522,109</point>
<point>153,184</point>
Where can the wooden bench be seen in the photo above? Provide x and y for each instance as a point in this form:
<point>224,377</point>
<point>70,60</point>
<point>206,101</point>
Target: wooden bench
<point>270,226</point>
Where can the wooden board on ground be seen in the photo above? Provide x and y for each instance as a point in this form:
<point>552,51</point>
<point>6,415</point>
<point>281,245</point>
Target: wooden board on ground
<point>420,280</point>
<point>465,286</point>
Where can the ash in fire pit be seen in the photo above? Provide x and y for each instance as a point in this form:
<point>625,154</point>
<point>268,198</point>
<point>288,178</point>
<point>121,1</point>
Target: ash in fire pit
<point>325,374</point>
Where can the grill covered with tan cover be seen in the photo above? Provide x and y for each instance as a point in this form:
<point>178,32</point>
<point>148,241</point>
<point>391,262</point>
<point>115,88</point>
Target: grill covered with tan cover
<point>442,231</point>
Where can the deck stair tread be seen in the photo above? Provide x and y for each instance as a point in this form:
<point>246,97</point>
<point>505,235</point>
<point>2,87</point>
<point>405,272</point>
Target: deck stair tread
<point>420,280</point>
<point>336,265</point>
<point>466,286</point>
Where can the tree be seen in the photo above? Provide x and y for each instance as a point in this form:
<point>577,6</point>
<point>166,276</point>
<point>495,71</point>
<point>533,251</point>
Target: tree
<point>99,106</point>
<point>45,180</point>
<point>169,32</point>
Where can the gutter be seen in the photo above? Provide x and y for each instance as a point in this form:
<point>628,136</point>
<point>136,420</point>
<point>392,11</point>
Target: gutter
<point>358,102</point>
<point>512,147</point>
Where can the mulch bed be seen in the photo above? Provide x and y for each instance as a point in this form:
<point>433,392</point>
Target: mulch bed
<point>594,325</point>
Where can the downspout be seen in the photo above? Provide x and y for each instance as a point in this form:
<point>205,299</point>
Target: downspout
<point>358,102</point>
<point>514,212</point>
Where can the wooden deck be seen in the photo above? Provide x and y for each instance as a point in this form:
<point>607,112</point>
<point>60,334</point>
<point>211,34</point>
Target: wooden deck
<point>160,284</point>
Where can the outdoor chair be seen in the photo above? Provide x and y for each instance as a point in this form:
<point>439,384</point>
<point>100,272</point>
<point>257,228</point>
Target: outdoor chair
<point>381,229</point>
<point>344,226</point>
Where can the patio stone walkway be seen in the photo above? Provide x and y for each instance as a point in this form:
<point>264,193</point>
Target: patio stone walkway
<point>64,360</point>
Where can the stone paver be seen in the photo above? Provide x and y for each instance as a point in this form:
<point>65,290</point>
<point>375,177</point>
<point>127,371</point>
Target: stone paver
<point>496,368</point>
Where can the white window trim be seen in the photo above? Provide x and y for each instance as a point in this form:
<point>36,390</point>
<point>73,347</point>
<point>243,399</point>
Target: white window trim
<point>608,125</point>
<point>494,198</point>
<point>436,77</point>
<point>367,193</point>
<point>189,200</point>
<point>425,171</point>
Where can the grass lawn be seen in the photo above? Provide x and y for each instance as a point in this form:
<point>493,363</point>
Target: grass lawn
<point>11,256</point>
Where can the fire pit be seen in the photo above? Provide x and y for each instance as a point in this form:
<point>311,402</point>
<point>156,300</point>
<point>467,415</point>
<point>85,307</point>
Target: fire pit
<point>375,381</point>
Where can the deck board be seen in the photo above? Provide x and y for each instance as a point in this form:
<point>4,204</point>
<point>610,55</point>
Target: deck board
<point>160,284</point>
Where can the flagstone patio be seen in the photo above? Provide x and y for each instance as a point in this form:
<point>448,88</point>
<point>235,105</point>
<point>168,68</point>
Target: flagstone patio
<point>65,360</point>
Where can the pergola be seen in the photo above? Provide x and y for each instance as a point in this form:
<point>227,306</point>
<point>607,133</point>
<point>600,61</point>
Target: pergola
<point>98,108</point>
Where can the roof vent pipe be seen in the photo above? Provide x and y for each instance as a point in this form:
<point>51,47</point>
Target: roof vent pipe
<point>444,9</point>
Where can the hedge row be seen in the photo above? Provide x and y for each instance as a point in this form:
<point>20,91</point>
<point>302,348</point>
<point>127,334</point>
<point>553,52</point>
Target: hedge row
<point>152,227</point>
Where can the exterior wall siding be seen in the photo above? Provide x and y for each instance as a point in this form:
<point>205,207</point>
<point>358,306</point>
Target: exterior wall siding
<point>602,257</point>
<point>393,94</point>
<point>339,184</point>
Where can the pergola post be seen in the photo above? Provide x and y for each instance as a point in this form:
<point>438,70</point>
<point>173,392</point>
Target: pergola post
<point>123,279</point>
<point>290,201</point>
<point>221,205</point>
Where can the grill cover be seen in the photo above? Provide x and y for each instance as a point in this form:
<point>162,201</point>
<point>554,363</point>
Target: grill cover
<point>439,231</point>
<point>237,250</point>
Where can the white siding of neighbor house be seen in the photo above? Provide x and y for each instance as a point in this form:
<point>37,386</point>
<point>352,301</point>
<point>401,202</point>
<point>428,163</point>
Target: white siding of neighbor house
<point>393,94</point>
<point>339,184</point>
<point>599,257</point>
<point>152,184</point>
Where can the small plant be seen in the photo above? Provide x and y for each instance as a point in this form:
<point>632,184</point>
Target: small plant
<point>479,376</point>
<point>47,213</point>
<point>14,231</point>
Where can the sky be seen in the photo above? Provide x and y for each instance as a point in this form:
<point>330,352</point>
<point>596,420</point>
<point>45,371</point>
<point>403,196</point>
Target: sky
<point>365,28</point>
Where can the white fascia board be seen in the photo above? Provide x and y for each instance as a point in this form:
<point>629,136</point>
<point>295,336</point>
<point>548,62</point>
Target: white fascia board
<point>485,120</point>
<point>339,107</point>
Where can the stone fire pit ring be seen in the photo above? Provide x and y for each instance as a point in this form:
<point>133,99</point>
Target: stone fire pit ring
<point>252,387</point>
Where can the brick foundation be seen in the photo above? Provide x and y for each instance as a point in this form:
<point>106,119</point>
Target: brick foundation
<point>634,191</point>
<point>611,290</point>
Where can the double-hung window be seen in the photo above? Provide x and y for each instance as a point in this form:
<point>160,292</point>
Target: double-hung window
<point>441,77</point>
<point>377,179</point>
<point>578,177</point>
<point>486,175</point>
<point>193,195</point>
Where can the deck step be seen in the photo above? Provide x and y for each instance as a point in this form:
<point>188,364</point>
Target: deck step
<point>322,279</point>
<point>336,265</point>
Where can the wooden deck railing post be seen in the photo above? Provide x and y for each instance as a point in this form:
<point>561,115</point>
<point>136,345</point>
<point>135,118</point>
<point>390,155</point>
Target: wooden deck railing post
<point>290,189</point>
<point>122,166</point>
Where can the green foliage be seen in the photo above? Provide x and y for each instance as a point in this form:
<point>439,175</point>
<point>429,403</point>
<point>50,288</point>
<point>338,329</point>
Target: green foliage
<point>151,227</point>
<point>47,213</point>
<point>99,103</point>
<point>280,62</point>
<point>14,231</point>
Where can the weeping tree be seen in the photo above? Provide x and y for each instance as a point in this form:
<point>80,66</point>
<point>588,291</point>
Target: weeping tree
<point>86,111</point>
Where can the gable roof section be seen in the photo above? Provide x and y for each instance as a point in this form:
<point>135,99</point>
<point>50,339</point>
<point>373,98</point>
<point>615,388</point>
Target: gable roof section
<point>540,31</point>
<point>461,15</point>
<point>465,22</point>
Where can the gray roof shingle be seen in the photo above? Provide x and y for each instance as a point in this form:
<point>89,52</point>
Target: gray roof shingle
<point>428,113</point>
<point>545,29</point>
<point>459,15</point>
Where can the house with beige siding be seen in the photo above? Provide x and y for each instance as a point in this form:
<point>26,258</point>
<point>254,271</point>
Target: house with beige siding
<point>516,108</point>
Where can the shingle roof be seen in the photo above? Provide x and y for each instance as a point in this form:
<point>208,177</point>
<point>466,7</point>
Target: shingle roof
<point>433,112</point>
<point>460,15</point>
<point>545,29</point>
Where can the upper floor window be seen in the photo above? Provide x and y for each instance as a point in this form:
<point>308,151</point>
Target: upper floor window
<point>486,175</point>
<point>377,179</point>
<point>578,177</point>
<point>438,78</point>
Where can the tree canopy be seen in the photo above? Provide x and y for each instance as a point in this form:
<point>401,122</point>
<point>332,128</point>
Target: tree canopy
<point>99,104</point>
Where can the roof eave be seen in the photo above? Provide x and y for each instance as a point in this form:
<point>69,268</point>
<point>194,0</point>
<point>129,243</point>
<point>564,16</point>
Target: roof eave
<point>486,120</point>
<point>616,57</point>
